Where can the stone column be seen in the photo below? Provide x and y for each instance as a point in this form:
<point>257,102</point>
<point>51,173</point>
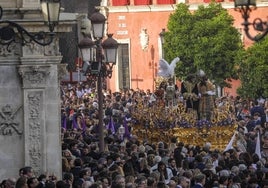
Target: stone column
<point>41,117</point>
<point>30,109</point>
<point>41,102</point>
<point>30,121</point>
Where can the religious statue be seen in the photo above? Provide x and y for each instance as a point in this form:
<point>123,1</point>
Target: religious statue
<point>144,39</point>
<point>189,91</point>
<point>167,71</point>
<point>160,93</point>
<point>170,93</point>
<point>207,94</point>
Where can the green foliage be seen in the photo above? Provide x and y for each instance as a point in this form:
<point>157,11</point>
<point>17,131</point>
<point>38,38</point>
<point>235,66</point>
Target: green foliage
<point>253,70</point>
<point>204,39</point>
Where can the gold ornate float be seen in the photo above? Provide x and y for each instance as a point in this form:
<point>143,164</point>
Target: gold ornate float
<point>158,123</point>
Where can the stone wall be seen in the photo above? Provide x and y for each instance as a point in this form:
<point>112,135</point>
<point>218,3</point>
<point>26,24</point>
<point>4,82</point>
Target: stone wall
<point>30,97</point>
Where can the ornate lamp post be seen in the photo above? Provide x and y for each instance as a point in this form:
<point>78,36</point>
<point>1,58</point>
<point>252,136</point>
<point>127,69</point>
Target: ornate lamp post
<point>11,31</point>
<point>98,65</point>
<point>245,7</point>
<point>51,12</point>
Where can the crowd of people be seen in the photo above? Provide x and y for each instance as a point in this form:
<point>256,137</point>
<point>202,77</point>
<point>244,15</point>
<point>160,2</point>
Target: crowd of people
<point>127,161</point>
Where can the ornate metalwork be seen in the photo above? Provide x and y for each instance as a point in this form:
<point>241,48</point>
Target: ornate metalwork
<point>258,24</point>
<point>12,32</point>
<point>155,123</point>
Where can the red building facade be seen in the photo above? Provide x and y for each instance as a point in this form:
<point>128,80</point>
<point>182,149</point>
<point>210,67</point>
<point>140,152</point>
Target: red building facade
<point>136,25</point>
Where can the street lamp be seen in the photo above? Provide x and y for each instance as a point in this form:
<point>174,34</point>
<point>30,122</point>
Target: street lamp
<point>98,61</point>
<point>51,12</point>
<point>12,32</point>
<point>245,7</point>
<point>162,40</point>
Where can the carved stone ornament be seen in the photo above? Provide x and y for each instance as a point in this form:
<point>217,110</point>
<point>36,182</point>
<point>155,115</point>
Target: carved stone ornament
<point>62,70</point>
<point>34,76</point>
<point>53,49</point>
<point>8,124</point>
<point>12,50</point>
<point>144,39</point>
<point>34,138</point>
<point>32,49</point>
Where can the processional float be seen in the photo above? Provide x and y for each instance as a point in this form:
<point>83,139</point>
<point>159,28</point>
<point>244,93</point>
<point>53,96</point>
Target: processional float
<point>157,122</point>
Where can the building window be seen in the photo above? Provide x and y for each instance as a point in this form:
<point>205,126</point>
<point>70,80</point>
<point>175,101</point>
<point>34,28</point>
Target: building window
<point>142,2</point>
<point>123,66</point>
<point>165,1</point>
<point>120,2</point>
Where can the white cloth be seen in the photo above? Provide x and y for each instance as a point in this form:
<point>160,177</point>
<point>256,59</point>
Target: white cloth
<point>230,144</point>
<point>80,93</point>
<point>258,146</point>
<point>211,92</point>
<point>169,174</point>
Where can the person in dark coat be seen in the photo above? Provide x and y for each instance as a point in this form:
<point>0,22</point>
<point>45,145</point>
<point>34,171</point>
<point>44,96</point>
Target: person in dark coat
<point>258,109</point>
<point>178,155</point>
<point>76,169</point>
<point>200,180</point>
<point>254,122</point>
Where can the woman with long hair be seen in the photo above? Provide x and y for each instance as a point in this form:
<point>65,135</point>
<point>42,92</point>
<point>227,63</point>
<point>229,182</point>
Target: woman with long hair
<point>165,173</point>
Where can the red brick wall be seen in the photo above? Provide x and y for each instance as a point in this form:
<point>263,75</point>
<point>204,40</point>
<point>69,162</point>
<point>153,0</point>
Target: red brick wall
<point>142,62</point>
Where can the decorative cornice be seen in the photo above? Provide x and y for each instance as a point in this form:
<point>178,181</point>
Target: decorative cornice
<point>40,60</point>
<point>171,7</point>
<point>34,76</point>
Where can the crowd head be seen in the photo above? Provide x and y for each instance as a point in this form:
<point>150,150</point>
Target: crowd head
<point>128,161</point>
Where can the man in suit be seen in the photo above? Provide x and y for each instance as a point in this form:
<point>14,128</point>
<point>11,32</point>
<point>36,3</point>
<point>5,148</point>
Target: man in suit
<point>258,108</point>
<point>254,122</point>
<point>200,180</point>
<point>183,182</point>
